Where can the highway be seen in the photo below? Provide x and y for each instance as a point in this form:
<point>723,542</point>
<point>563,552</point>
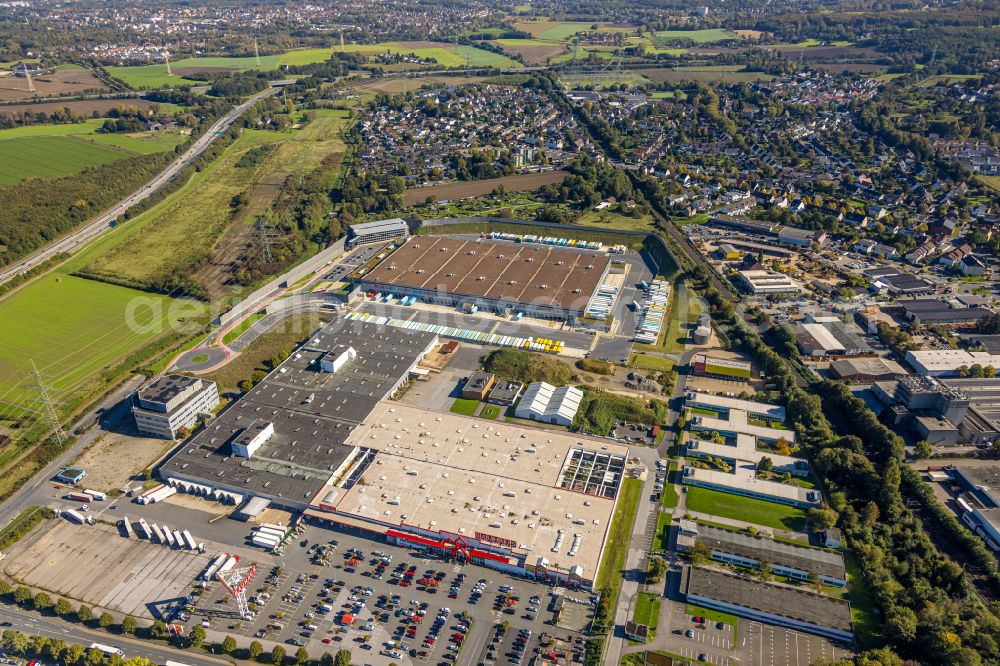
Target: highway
<point>83,235</point>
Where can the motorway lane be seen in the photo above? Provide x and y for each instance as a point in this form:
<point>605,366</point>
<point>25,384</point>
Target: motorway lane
<point>29,622</point>
<point>77,239</point>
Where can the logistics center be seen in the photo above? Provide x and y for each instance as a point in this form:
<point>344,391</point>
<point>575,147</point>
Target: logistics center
<point>538,280</point>
<point>317,436</point>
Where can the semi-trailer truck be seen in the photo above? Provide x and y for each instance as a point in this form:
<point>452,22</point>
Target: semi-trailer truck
<point>97,495</point>
<point>79,497</point>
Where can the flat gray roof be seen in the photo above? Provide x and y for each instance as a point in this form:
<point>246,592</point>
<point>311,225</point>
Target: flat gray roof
<point>313,413</point>
<point>790,602</point>
<point>822,562</point>
<point>392,224</point>
<point>165,388</point>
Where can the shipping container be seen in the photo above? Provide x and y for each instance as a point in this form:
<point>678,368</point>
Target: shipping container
<point>189,540</point>
<point>127,524</point>
<point>75,516</point>
<point>229,563</point>
<point>144,529</point>
<point>179,540</point>
<point>210,570</point>
<point>168,535</point>
<point>158,532</point>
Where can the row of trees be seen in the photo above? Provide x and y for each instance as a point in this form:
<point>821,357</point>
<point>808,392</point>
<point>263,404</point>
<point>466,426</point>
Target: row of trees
<point>57,650</point>
<point>928,607</point>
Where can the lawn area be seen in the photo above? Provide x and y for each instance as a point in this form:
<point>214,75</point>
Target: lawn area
<point>684,310</point>
<point>465,406</point>
<point>491,412</point>
<point>706,36</point>
<point>714,616</point>
<point>864,613</point>
<point>50,151</point>
<point>616,547</point>
<point>993,182</point>
<point>735,507</point>
<point>647,611</point>
<point>242,327</point>
<point>282,338</point>
<point>668,499</point>
<point>601,218</point>
<point>662,539</point>
<point>650,362</point>
<point>193,220</point>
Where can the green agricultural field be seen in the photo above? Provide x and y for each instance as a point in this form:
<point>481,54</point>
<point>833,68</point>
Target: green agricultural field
<point>72,328</point>
<point>155,76</point>
<point>552,30</point>
<point>707,36</point>
<point>50,151</point>
<point>193,222</point>
<point>748,509</point>
<point>50,157</point>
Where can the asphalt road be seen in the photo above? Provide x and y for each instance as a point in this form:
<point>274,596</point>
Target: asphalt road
<point>81,236</point>
<point>24,495</point>
<point>32,623</point>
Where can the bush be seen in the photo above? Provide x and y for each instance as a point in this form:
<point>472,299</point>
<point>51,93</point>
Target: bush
<point>528,367</point>
<point>599,411</point>
<point>596,366</point>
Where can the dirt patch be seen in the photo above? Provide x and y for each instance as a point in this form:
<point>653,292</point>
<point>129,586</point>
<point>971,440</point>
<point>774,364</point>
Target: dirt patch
<point>70,82</point>
<point>184,71</point>
<point>714,51</point>
<point>521,183</point>
<point>749,34</point>
<point>84,108</point>
<point>534,55</point>
<point>115,459</point>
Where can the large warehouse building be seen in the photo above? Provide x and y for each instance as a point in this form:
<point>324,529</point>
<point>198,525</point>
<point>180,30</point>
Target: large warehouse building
<point>317,436</point>
<point>538,280</point>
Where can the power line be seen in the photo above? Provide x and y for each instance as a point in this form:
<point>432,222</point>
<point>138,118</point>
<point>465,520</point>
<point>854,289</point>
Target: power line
<point>48,405</point>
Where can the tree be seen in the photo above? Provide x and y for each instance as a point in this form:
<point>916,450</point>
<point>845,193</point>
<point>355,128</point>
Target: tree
<point>923,449</point>
<point>85,614</point>
<point>138,661</point>
<point>105,620</point>
<point>343,658</point>
<point>39,644</point>
<point>822,517</point>
<point>21,595</point>
<point>326,659</point>
<point>63,607</point>
<point>764,571</point>
<point>74,655</point>
<point>301,657</point>
<point>56,649</point>
<point>129,625</point>
<point>765,464</point>
<point>42,601</point>
<point>196,637</point>
<point>255,650</point>
<point>229,645</point>
<point>5,588</point>
<point>19,642</point>
<point>782,447</point>
<point>94,657</point>
<point>700,554</point>
<point>278,655</point>
<point>657,569</point>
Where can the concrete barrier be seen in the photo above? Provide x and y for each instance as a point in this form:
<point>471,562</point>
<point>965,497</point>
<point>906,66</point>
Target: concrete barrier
<point>292,276</point>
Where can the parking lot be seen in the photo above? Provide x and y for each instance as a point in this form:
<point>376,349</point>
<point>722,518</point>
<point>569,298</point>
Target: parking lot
<point>767,645</point>
<point>388,603</point>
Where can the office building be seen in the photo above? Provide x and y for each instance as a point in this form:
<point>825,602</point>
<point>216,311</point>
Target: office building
<point>171,404</point>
